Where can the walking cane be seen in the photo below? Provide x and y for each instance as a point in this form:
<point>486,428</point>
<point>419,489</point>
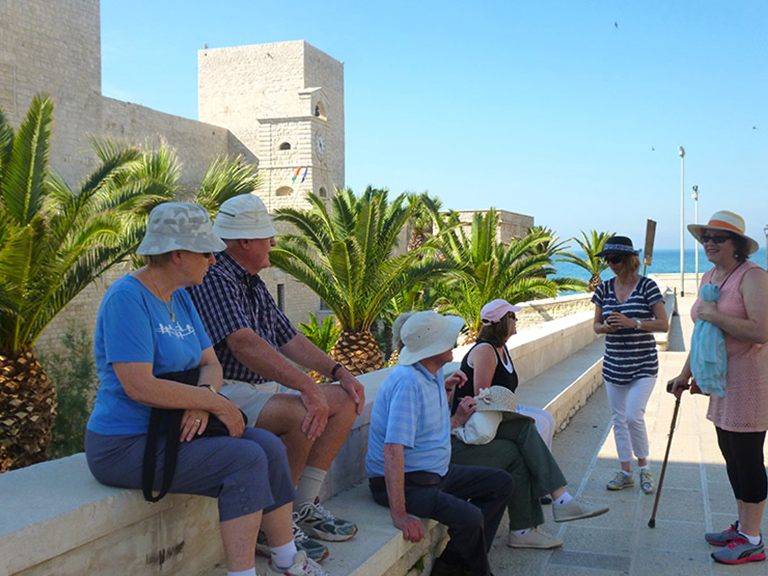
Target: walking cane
<point>652,521</point>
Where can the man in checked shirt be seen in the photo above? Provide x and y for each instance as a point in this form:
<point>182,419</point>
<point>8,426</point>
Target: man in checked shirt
<point>255,344</point>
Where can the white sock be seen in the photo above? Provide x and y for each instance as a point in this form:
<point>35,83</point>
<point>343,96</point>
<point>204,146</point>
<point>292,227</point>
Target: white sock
<point>627,474</point>
<point>310,483</point>
<point>282,556</point>
<point>249,572</point>
<point>646,467</point>
<point>564,499</point>
<point>522,532</point>
<point>754,540</point>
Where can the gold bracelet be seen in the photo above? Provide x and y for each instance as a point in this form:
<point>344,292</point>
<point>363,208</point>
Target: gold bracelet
<point>209,386</point>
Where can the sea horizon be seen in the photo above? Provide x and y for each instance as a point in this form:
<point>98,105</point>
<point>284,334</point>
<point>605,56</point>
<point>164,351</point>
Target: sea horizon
<point>664,261</point>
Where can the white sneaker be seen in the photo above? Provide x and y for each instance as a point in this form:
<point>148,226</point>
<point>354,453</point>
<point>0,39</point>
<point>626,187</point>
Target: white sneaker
<point>534,538</point>
<point>302,566</point>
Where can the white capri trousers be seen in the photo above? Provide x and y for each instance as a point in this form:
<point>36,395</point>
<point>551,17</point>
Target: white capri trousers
<point>628,402</point>
<point>545,422</point>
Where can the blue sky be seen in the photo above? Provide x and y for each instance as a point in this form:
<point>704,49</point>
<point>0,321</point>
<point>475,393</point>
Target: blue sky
<point>569,111</point>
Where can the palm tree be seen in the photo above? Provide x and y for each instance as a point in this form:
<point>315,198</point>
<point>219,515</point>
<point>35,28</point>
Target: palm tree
<point>552,247</point>
<point>516,271</point>
<point>592,263</point>
<point>420,220</point>
<point>54,241</point>
<point>347,257</point>
<point>226,178</point>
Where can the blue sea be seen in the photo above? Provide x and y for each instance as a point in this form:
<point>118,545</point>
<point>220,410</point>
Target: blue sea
<point>664,262</point>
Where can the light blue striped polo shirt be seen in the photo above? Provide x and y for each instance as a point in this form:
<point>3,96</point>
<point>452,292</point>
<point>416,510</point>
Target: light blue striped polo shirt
<point>411,408</point>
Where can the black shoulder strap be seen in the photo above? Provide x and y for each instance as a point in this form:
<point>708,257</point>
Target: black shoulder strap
<point>171,442</point>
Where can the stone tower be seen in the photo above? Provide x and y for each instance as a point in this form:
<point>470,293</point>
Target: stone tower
<point>284,103</point>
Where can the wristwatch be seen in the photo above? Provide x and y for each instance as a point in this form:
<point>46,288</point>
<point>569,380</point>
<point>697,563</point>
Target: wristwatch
<point>639,324</point>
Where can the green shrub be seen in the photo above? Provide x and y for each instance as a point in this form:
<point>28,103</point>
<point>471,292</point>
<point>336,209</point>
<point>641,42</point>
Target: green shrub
<point>74,376</point>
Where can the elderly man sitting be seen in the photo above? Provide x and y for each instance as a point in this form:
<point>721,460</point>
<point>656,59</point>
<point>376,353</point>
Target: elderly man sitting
<point>409,452</point>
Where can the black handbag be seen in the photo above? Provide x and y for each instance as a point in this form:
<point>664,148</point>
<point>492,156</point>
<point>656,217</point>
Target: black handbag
<point>215,427</point>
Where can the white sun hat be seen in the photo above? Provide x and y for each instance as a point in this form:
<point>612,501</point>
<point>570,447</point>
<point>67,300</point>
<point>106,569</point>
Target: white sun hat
<point>244,217</point>
<point>427,334</point>
<point>179,226</point>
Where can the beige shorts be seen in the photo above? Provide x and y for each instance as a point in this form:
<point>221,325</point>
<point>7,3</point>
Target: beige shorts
<point>252,397</point>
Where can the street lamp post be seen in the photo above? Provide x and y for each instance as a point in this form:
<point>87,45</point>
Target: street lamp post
<point>696,221</point>
<point>681,151</point>
<point>766,246</point>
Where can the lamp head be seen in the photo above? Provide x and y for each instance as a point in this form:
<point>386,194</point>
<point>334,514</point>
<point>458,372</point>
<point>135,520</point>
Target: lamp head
<point>681,151</point>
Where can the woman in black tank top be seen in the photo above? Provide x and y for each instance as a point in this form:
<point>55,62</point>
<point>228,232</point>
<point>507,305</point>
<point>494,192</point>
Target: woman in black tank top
<point>518,447</point>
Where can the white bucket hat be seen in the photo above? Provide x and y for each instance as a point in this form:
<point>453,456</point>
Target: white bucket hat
<point>179,226</point>
<point>244,217</point>
<point>497,398</point>
<point>727,222</point>
<point>427,334</point>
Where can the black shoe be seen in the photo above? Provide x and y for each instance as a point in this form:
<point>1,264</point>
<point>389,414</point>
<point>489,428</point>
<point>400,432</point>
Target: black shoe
<point>545,500</point>
<point>441,568</point>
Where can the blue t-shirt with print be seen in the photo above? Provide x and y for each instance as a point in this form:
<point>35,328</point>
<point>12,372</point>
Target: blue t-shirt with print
<point>133,325</point>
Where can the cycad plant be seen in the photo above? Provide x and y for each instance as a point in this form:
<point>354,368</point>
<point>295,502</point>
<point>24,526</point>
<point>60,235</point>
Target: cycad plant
<point>591,244</point>
<point>54,241</point>
<point>347,256</point>
<point>516,271</point>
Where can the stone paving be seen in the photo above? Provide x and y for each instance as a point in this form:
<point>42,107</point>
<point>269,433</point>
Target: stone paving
<point>695,498</point>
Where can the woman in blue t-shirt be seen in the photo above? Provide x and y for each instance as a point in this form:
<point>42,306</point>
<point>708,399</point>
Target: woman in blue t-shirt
<point>147,327</point>
<point>628,308</point>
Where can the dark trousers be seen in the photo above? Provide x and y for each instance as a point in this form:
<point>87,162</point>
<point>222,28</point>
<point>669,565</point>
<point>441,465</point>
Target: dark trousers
<point>743,453</point>
<point>470,501</point>
<point>518,449</point>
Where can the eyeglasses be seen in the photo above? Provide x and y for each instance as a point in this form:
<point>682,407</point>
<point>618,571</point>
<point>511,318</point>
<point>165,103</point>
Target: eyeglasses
<point>704,238</point>
<point>513,315</point>
<point>613,259</point>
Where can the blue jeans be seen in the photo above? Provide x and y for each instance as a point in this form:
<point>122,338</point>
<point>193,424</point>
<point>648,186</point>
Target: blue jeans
<point>469,500</point>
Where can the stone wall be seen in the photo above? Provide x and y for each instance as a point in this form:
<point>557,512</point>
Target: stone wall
<point>539,311</point>
<point>511,224</point>
<point>54,47</point>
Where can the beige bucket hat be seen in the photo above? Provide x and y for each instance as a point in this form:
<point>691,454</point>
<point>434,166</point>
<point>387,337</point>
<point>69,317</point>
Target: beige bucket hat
<point>179,226</point>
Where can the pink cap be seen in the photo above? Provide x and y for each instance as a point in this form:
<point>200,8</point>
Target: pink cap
<point>495,310</point>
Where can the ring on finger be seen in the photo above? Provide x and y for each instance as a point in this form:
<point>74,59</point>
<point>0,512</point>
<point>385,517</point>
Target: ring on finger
<point>197,421</point>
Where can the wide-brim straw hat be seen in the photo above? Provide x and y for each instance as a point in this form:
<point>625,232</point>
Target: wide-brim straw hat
<point>618,246</point>
<point>427,334</point>
<point>497,398</point>
<point>179,226</point>
<point>727,222</point>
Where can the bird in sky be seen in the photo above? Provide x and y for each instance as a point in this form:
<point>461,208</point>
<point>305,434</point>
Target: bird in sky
<point>615,24</point>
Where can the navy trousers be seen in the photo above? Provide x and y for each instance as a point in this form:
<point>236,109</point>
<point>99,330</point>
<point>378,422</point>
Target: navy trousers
<point>470,501</point>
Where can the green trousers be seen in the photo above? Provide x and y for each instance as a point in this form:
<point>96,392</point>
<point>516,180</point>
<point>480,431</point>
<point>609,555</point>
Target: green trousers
<point>518,449</point>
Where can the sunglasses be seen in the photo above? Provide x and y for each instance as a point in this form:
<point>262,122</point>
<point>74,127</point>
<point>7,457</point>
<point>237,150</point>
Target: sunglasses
<point>613,259</point>
<point>513,315</point>
<point>704,238</point>
<point>206,254</point>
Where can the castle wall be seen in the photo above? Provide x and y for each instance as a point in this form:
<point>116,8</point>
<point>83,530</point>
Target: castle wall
<point>196,143</point>
<point>54,47</point>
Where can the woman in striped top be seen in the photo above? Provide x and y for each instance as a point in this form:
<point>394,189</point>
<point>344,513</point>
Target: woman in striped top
<point>628,308</point>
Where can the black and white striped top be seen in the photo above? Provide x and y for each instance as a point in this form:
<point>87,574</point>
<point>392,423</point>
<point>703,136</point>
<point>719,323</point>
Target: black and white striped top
<point>629,353</point>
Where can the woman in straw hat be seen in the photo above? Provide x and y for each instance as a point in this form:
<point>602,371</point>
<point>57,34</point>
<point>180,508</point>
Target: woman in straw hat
<point>741,416</point>
<point>628,308</point>
<point>148,328</point>
<point>518,446</point>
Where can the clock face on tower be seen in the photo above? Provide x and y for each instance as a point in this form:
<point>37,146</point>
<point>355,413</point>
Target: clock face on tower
<point>320,145</point>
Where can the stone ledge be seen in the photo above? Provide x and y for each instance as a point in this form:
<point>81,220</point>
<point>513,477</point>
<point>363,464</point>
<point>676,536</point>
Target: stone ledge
<point>89,528</point>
